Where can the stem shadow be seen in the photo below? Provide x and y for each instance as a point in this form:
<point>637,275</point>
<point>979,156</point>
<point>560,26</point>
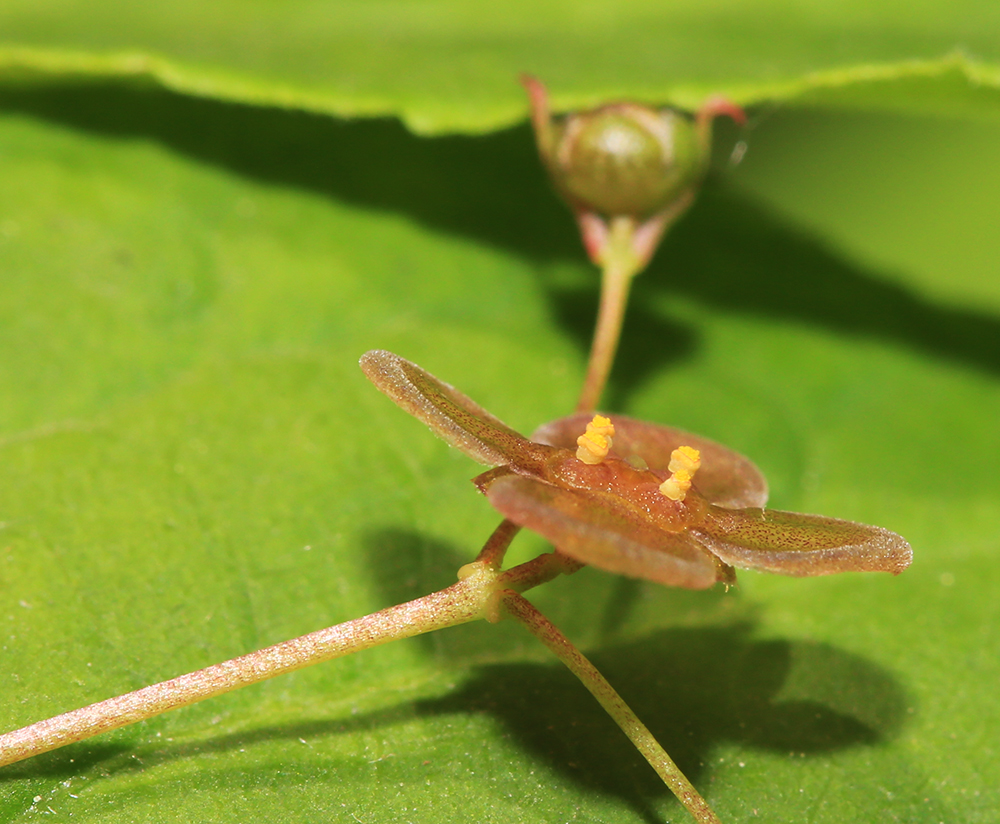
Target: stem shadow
<point>694,689</point>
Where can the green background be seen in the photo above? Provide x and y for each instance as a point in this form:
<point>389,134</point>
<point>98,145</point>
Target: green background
<point>209,211</point>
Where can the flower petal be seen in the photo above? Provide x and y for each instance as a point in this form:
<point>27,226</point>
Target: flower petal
<point>594,528</point>
<point>790,543</point>
<point>449,413</point>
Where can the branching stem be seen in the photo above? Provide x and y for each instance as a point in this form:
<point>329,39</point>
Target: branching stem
<point>483,591</point>
<point>469,599</point>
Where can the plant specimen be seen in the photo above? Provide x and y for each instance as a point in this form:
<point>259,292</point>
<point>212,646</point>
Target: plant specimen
<point>626,496</point>
<point>625,500</point>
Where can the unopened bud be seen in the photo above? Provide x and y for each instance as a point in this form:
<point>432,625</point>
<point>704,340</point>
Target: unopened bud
<point>625,159</point>
<point>625,162</point>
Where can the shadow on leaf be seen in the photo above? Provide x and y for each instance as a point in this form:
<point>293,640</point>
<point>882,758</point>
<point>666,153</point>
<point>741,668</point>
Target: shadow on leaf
<point>728,251</point>
<point>694,688</point>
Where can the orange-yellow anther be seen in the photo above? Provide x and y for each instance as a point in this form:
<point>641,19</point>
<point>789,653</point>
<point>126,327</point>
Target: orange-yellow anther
<point>684,458</point>
<point>684,462</point>
<point>594,444</point>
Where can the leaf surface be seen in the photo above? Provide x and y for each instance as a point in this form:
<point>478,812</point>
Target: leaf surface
<point>194,466</point>
<point>451,65</point>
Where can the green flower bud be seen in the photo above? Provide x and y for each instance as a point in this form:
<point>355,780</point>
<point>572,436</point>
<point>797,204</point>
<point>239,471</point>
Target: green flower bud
<point>626,170</point>
<point>625,159</point>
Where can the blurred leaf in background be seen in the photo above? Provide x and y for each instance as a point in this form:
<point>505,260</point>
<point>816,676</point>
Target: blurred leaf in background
<point>209,211</point>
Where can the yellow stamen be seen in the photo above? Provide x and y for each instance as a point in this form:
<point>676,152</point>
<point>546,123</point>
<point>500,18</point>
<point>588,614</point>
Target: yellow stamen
<point>595,443</point>
<point>685,458</point>
<point>684,462</point>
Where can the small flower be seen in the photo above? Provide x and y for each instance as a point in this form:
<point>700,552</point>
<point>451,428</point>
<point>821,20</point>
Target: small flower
<point>612,513</point>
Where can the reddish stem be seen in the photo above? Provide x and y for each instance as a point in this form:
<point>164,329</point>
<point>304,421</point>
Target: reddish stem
<point>620,265</point>
<point>458,604</point>
<point>606,695</point>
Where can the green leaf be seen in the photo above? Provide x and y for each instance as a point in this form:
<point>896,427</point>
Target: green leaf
<point>451,65</point>
<point>193,466</point>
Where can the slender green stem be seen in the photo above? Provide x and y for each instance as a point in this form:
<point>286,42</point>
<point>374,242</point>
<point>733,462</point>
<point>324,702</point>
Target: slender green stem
<point>521,609</point>
<point>622,249</point>
<point>619,265</point>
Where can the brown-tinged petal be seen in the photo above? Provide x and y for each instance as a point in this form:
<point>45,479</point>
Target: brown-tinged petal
<point>790,543</point>
<point>725,478</point>
<point>595,528</point>
<point>449,413</point>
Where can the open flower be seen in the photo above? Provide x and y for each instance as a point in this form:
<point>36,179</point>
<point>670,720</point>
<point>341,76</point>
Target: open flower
<point>659,503</point>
